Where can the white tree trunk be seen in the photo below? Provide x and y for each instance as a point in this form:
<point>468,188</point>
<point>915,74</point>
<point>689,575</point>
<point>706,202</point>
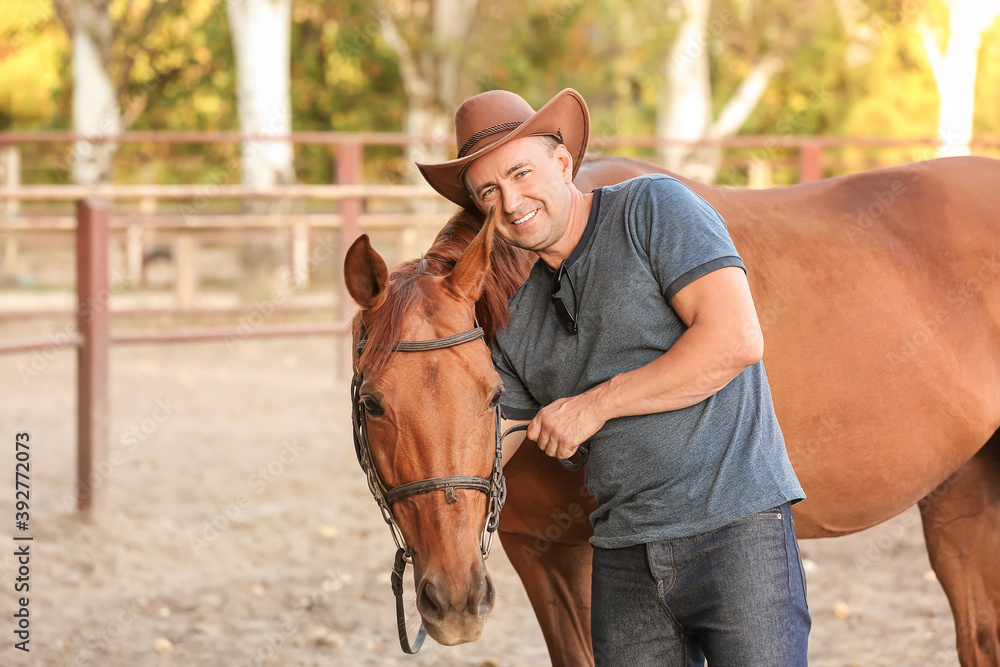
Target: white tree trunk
<point>95,98</point>
<point>426,119</point>
<point>685,104</point>
<point>955,71</point>
<point>432,77</point>
<point>261,33</point>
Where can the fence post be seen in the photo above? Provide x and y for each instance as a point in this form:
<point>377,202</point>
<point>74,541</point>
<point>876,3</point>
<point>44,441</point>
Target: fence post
<point>93,321</point>
<point>133,254</point>
<point>10,177</point>
<point>187,268</point>
<point>810,169</point>
<point>300,253</point>
<point>348,173</point>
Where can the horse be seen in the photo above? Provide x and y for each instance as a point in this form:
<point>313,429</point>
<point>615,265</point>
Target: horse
<point>879,298</point>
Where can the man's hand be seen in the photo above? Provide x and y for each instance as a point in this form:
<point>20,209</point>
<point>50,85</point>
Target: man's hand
<point>563,425</point>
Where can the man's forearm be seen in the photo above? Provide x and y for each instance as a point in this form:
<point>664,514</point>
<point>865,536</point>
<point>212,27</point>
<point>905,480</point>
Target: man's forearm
<point>702,361</point>
<point>723,338</point>
<point>699,364</point>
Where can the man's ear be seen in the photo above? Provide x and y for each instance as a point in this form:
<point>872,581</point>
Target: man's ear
<point>565,162</point>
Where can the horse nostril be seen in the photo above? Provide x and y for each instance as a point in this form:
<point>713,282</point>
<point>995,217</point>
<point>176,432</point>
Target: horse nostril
<point>429,603</point>
<point>482,596</point>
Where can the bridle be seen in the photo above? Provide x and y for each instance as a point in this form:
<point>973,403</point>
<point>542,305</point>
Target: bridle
<point>494,486</point>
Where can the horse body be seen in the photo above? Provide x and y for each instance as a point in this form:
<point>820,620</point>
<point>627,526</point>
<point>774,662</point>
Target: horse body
<point>885,361</point>
<point>881,328</point>
<point>878,297</point>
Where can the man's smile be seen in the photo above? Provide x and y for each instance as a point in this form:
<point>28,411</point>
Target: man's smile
<point>527,217</point>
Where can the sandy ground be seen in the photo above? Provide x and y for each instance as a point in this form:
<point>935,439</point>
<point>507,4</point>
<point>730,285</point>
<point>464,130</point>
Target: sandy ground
<point>235,495</point>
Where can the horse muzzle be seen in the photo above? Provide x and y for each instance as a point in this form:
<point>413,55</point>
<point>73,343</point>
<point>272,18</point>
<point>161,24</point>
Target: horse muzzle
<point>454,612</point>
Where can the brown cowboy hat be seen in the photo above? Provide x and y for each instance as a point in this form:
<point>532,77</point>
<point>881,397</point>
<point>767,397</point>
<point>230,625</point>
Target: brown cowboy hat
<point>493,118</point>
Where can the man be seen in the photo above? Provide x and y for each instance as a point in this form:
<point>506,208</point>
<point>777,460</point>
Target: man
<point>636,333</point>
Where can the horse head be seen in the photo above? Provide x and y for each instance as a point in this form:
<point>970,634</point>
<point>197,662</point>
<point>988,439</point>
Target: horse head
<point>428,414</point>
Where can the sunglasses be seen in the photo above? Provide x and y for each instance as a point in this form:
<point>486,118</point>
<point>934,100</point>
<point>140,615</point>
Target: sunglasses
<point>565,317</point>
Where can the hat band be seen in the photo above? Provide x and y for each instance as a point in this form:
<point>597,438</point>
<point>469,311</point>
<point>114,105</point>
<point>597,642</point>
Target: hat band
<point>488,132</point>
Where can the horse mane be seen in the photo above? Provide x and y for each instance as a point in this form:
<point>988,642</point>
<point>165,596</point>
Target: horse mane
<point>508,269</point>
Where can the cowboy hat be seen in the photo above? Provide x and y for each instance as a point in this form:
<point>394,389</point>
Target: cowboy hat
<point>491,119</point>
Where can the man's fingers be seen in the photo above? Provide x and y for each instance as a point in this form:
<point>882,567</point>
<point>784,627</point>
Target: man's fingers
<point>533,431</point>
<point>549,445</point>
<point>548,436</point>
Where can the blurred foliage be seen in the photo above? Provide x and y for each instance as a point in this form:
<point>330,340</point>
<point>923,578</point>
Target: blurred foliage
<point>34,66</point>
<point>172,62</point>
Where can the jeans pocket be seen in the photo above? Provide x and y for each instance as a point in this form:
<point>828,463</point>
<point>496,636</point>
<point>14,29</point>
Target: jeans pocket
<point>798,556</point>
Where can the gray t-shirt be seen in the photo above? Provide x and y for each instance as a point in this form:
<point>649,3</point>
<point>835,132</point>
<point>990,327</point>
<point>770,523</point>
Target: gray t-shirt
<point>664,475</point>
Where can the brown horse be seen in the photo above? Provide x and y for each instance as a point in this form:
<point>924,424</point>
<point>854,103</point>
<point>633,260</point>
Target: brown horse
<point>879,297</point>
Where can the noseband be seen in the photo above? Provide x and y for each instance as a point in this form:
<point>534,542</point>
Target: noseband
<point>495,486</point>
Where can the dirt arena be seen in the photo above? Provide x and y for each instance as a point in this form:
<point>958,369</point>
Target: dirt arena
<point>236,496</point>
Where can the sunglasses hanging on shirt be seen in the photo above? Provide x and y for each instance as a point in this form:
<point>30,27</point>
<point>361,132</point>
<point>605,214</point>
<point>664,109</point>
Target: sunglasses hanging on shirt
<point>566,318</point>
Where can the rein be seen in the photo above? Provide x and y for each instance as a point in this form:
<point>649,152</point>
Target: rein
<point>494,486</point>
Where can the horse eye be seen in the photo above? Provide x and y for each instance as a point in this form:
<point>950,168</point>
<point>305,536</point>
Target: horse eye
<point>495,401</point>
<point>372,406</point>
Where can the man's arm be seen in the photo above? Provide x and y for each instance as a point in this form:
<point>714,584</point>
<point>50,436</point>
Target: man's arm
<point>722,339</point>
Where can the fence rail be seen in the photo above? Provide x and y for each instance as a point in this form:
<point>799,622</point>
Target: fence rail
<point>134,192</point>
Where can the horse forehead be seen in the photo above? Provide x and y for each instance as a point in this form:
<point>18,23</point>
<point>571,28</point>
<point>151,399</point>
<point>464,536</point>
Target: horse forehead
<point>436,372</point>
<point>451,376</point>
<point>434,306</point>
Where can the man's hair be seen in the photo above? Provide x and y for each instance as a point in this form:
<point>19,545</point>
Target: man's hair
<point>550,141</point>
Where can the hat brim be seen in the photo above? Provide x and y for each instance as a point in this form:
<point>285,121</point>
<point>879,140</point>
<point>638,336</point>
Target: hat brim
<point>566,113</point>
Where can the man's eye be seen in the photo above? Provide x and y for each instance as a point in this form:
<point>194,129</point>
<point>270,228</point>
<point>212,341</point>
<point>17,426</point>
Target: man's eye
<point>522,172</point>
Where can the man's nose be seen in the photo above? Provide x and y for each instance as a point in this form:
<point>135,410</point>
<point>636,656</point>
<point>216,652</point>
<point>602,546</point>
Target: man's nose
<point>511,200</point>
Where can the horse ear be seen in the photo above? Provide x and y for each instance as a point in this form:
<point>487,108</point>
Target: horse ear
<point>470,271</point>
<point>366,274</point>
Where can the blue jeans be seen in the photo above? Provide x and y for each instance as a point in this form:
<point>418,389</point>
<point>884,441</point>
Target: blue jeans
<point>735,595</point>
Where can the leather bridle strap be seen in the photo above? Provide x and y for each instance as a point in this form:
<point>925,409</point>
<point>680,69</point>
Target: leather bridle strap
<point>438,484</point>
<point>397,589</point>
<point>428,345</point>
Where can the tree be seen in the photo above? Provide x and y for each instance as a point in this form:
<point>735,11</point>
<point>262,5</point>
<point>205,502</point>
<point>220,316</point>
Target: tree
<point>95,99</point>
<point>123,53</point>
<point>685,104</point>
<point>955,70</point>
<point>261,32</point>
<point>33,46</point>
<point>430,41</point>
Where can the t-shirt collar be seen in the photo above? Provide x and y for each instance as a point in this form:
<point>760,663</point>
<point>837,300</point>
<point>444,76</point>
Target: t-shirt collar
<point>588,231</point>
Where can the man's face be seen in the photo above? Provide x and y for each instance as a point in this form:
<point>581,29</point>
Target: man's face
<point>527,181</point>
